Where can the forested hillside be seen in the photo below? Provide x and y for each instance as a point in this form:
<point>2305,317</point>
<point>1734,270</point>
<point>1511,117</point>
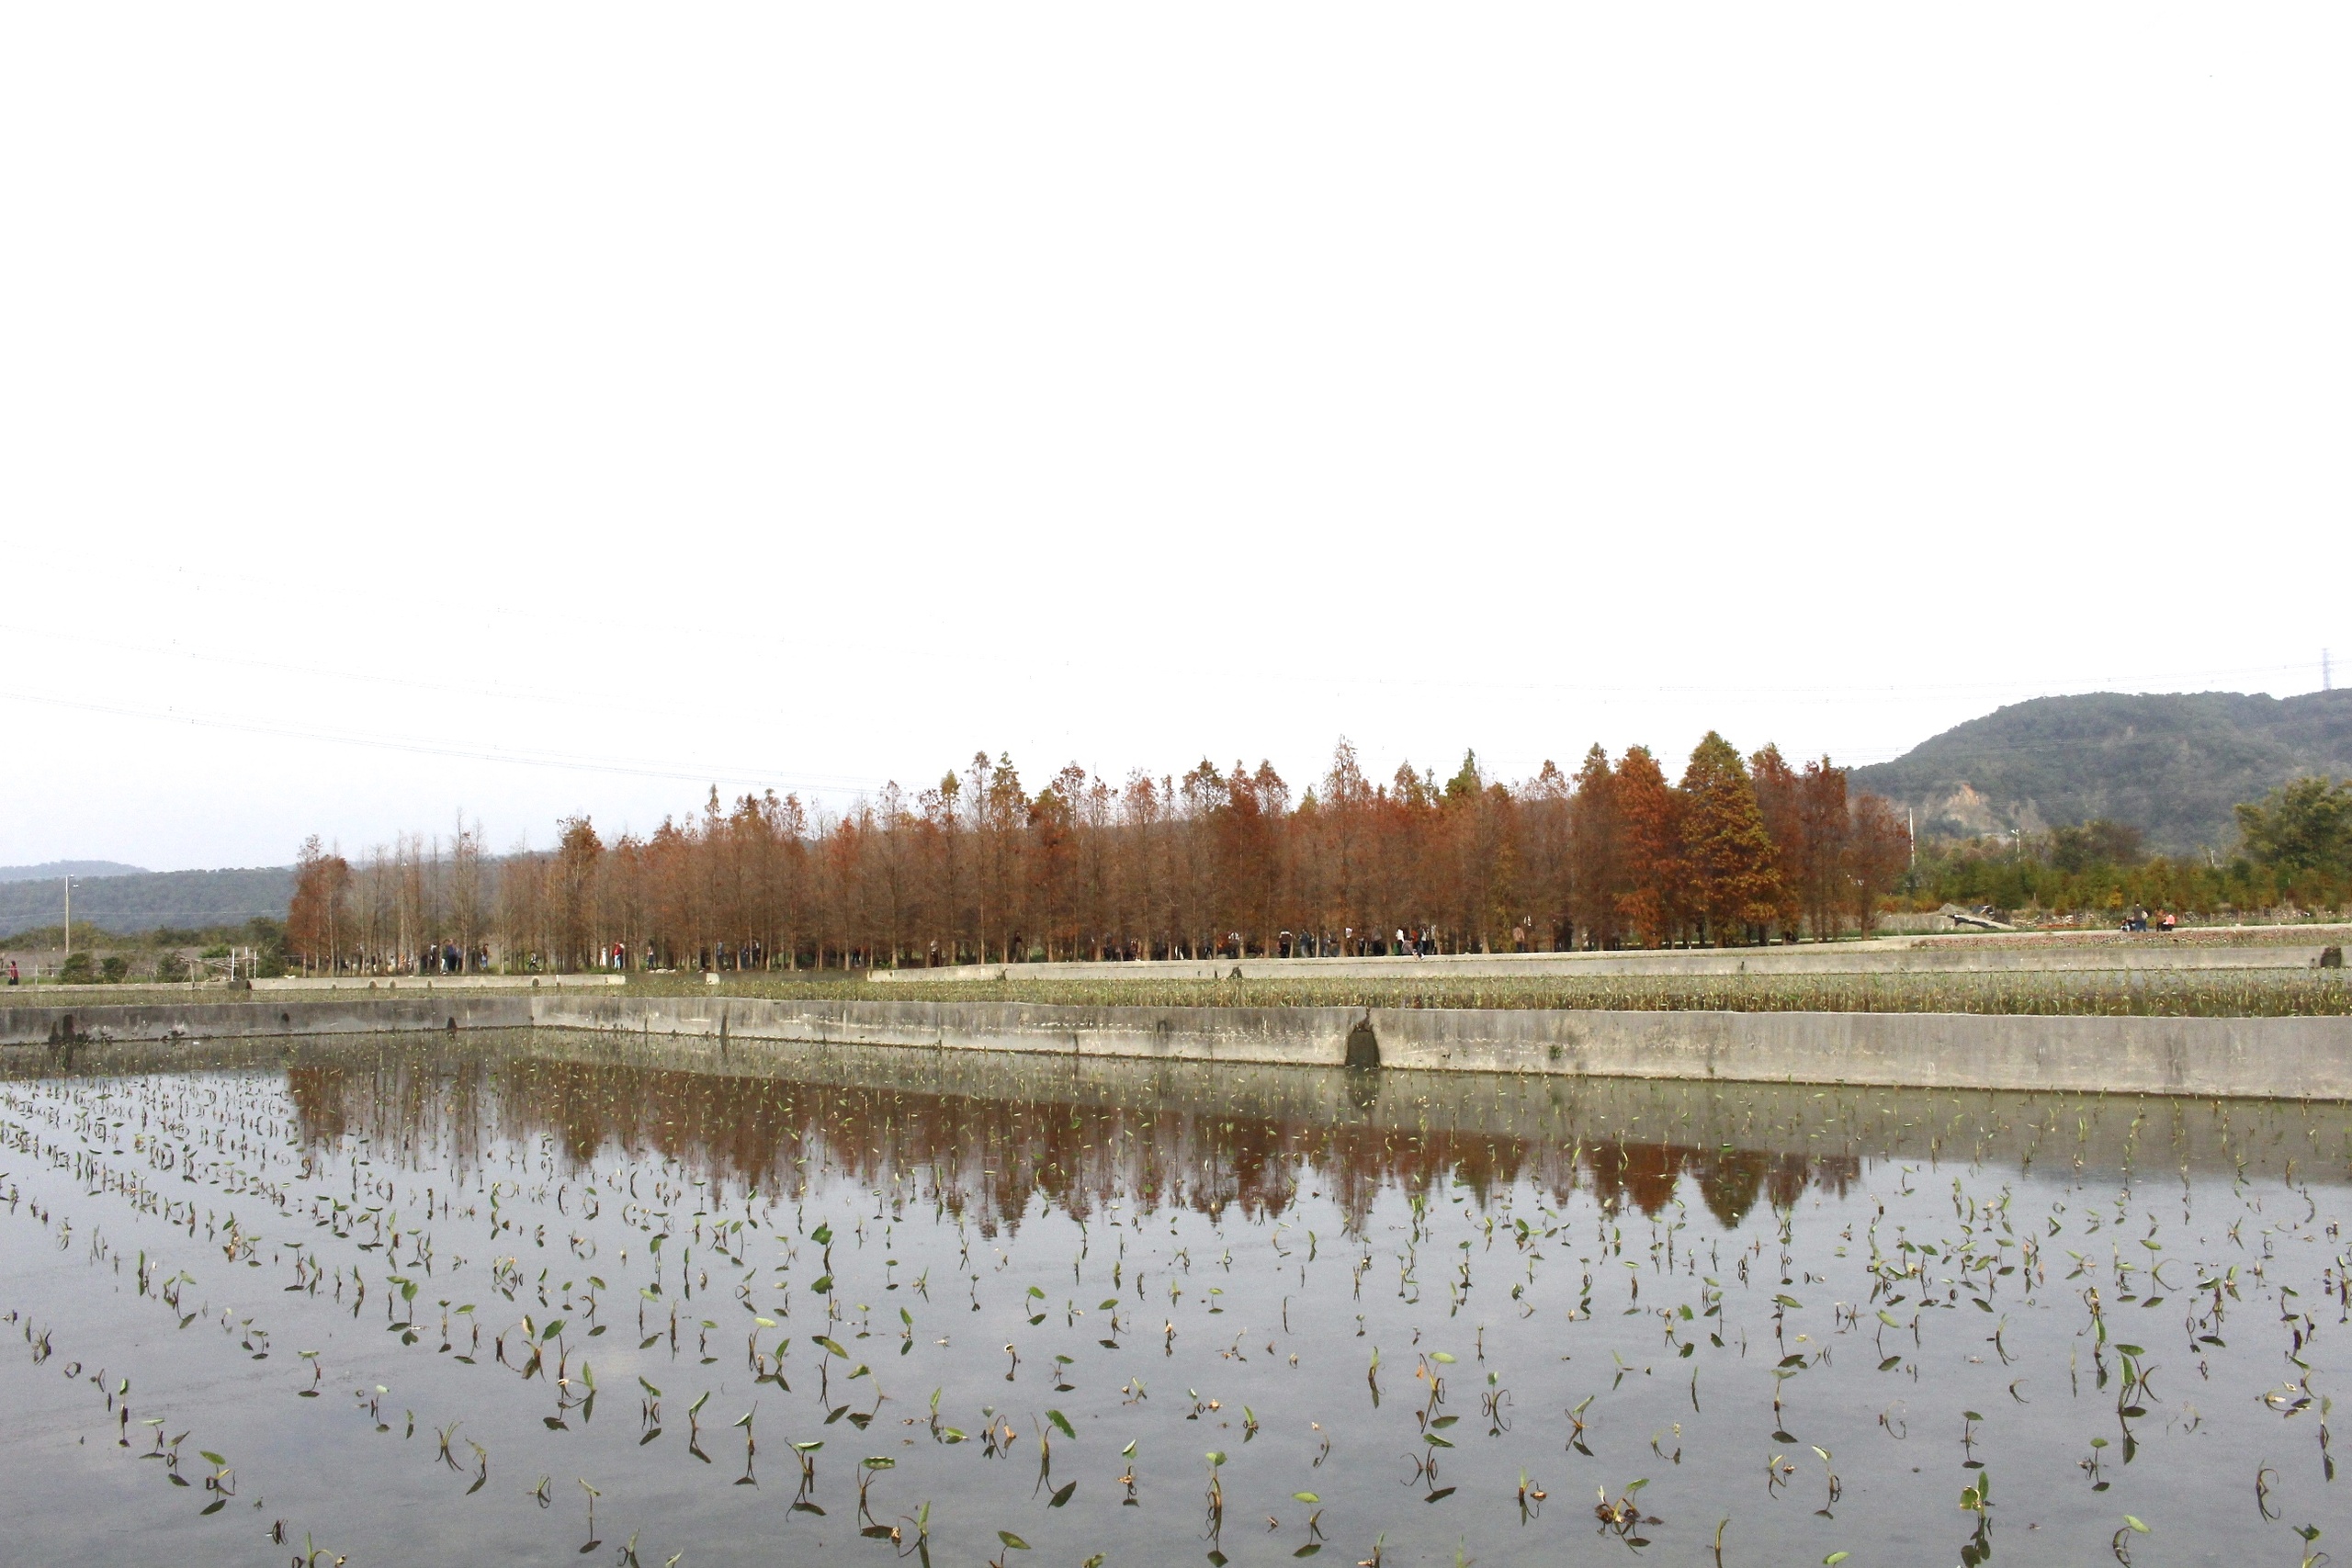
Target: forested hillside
<point>194,899</point>
<point>52,869</point>
<point>2172,766</point>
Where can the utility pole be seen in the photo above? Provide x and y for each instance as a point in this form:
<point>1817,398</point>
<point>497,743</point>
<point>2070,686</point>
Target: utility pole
<point>69,917</point>
<point>2326,672</point>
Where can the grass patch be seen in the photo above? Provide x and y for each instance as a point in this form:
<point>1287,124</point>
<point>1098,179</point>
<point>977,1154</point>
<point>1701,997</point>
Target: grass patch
<point>2245,993</point>
<point>2257,993</point>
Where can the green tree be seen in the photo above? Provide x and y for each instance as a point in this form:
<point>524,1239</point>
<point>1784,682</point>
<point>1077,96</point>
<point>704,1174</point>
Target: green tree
<point>267,939</point>
<point>2302,826</point>
<point>2097,842</point>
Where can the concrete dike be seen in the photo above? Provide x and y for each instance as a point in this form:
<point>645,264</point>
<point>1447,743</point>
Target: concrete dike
<point>246,1021</point>
<point>2296,1058</point>
<point>2288,1058</point>
<point>2267,1058</point>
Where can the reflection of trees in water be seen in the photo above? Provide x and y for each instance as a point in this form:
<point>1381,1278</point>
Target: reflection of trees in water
<point>318,1095</point>
<point>408,1108</point>
<point>990,1158</point>
<point>1647,1176</point>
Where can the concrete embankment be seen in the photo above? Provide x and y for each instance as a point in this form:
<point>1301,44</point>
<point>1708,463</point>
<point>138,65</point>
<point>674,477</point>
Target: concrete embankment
<point>241,1020</point>
<point>1834,958</point>
<point>2251,1057</point>
<point>2238,1057</point>
<point>2089,1132</point>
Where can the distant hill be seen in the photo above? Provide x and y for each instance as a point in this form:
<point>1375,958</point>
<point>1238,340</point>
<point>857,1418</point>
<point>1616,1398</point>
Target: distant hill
<point>2172,766</point>
<point>58,868</point>
<point>143,902</point>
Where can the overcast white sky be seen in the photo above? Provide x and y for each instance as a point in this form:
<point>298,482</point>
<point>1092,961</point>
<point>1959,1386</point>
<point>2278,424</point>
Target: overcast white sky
<point>532,409</point>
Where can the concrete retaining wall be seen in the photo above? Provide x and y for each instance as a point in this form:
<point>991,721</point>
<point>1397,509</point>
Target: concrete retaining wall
<point>2257,1057</point>
<point>2237,1057</point>
<point>1837,958</point>
<point>2095,1132</point>
<point>240,1020</point>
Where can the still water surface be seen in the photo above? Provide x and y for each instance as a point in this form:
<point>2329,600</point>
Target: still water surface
<point>435,1303</point>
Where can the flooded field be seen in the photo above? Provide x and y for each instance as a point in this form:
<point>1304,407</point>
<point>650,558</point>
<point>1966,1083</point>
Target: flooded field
<point>533,1297</point>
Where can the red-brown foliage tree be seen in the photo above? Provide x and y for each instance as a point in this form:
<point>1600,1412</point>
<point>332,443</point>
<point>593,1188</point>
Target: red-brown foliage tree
<point>977,869</point>
<point>316,926</point>
<point>1730,865</point>
<point>1654,880</point>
